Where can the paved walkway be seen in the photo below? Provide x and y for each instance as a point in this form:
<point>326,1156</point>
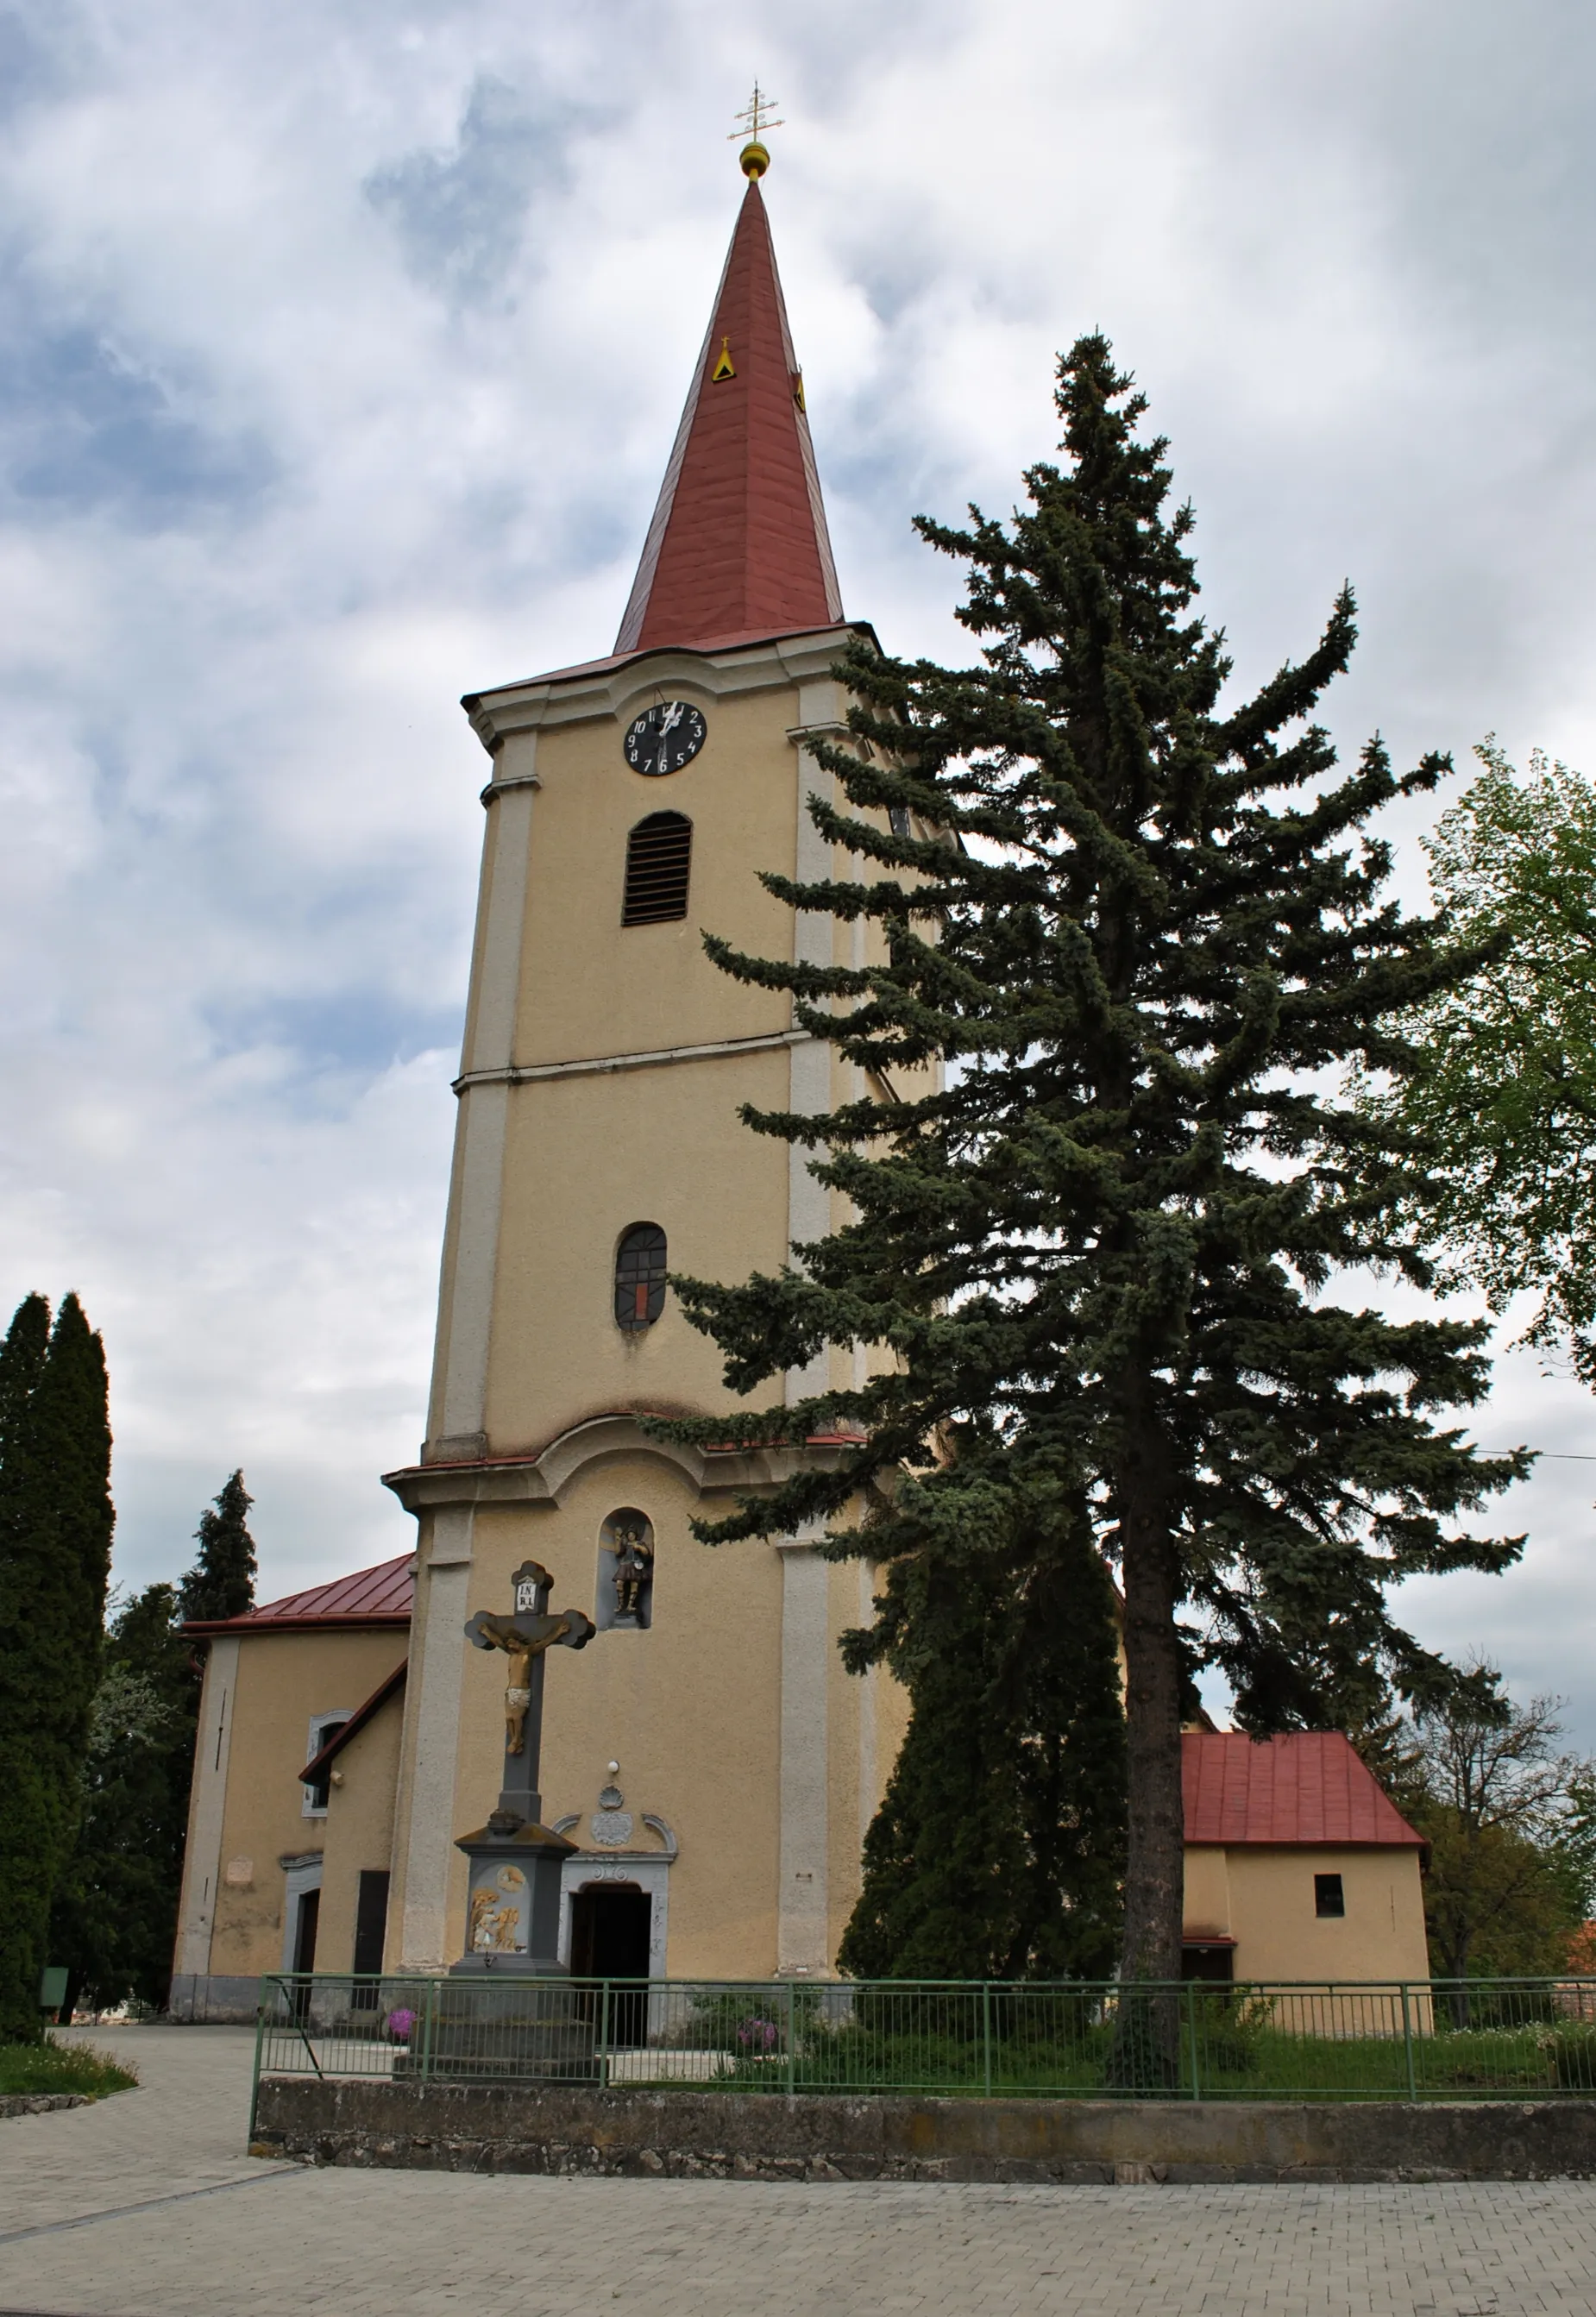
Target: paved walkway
<point>142,2206</point>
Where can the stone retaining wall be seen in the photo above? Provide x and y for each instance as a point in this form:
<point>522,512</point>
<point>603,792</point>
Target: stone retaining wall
<point>39,2103</point>
<point>764,2136</point>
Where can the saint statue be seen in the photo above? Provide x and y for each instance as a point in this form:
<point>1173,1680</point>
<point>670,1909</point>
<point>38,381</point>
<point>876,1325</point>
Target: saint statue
<point>634,1565</point>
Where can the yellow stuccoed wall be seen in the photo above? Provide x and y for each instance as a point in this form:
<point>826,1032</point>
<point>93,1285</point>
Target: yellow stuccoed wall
<point>732,1718</point>
<point>1261,1895</point>
<point>282,1679</point>
<point>358,1829</point>
<point>601,1141</point>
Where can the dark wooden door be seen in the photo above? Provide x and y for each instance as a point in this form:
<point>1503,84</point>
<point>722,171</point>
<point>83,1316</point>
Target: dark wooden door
<point>610,1926</point>
<point>370,1930</point>
<point>304,1937</point>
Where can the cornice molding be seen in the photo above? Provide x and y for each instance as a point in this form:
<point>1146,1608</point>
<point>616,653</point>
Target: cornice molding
<point>543,1478</point>
<point>521,1073</point>
<point>609,687</point>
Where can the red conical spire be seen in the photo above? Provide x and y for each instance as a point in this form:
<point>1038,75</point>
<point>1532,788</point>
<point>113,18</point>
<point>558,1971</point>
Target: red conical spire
<point>737,545</point>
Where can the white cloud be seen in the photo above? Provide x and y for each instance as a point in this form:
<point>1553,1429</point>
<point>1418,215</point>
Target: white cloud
<point>343,347</point>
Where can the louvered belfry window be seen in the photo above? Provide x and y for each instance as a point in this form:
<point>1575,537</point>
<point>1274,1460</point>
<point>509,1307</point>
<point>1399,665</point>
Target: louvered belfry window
<point>640,1278</point>
<point>659,852</point>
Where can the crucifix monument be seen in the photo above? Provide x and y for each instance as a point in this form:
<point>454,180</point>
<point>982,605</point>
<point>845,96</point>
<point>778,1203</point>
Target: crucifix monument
<point>513,1906</point>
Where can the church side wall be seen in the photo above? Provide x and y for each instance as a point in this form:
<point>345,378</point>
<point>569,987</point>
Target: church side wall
<point>207,1808</point>
<point>284,1680</point>
<point>1279,1936</point>
<point>358,1830</point>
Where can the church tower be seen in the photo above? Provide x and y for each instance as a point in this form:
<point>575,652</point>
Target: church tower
<point>707,1753</point>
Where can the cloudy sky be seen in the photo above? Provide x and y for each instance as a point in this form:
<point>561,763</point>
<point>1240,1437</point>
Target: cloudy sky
<point>341,346</point>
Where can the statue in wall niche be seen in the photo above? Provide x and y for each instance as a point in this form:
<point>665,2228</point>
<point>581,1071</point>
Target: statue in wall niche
<point>633,1548</point>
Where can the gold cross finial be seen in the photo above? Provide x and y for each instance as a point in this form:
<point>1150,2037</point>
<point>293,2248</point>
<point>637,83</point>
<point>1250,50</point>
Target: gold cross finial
<point>756,116</point>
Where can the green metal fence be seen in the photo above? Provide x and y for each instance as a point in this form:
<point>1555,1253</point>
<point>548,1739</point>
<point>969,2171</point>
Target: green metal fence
<point>1416,2040</point>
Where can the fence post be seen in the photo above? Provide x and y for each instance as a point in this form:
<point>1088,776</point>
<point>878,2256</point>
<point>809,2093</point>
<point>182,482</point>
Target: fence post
<point>986,2037</point>
<point>260,2030</point>
<point>1407,2041</point>
<point>427,2002</point>
<point>792,2023</point>
<point>604,2034</point>
<point>1190,1993</point>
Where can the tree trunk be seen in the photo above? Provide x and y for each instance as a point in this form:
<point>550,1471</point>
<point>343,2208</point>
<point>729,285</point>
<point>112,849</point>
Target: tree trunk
<point>1155,1859</point>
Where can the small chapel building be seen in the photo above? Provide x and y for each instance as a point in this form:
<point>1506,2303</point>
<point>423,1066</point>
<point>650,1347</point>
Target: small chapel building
<point>715,1763</point>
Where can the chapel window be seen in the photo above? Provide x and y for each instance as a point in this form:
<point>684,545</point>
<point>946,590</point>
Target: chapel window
<point>317,1790</point>
<point>658,854</point>
<point>1329,1897</point>
<point>640,1278</point>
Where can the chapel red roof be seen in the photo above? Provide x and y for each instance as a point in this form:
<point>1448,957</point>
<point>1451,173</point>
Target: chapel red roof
<point>1309,1786</point>
<point>382,1595</point>
<point>737,548</point>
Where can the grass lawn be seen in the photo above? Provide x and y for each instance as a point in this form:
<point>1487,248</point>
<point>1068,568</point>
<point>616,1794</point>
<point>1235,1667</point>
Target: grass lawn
<point>52,2067</point>
<point>1240,2055</point>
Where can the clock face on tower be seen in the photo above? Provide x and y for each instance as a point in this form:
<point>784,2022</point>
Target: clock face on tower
<point>664,737</point>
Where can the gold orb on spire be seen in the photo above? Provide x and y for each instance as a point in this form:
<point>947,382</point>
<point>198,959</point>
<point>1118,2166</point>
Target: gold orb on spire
<point>755,116</point>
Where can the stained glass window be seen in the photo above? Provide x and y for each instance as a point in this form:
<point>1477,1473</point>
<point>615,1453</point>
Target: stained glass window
<point>640,1278</point>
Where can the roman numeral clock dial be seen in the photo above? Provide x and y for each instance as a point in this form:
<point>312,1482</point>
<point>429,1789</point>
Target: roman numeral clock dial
<point>664,737</point>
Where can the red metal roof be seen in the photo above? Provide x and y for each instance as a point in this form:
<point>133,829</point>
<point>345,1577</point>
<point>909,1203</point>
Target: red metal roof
<point>382,1595</point>
<point>738,547</point>
<point>1309,1786</point>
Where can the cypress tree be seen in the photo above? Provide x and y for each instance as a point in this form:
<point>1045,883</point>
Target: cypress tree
<point>1144,930</point>
<point>999,1848</point>
<point>55,1554</point>
<point>221,1583</point>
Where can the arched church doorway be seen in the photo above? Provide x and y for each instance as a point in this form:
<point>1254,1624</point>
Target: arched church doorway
<point>609,1939</point>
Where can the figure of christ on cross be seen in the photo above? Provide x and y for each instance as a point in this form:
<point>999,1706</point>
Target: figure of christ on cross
<point>525,1635</point>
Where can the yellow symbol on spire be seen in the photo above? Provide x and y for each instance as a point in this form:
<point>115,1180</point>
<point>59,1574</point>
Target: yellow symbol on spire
<point>756,116</point>
<point>724,366</point>
<point>798,390</point>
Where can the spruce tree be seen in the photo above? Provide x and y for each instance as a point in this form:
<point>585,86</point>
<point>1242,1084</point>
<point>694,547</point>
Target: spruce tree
<point>55,1554</point>
<point>999,1848</point>
<point>221,1583</point>
<point>1141,927</point>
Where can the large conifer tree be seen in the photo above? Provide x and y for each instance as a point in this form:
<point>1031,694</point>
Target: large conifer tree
<point>1143,929</point>
<point>55,1557</point>
<point>998,1849</point>
<point>222,1582</point>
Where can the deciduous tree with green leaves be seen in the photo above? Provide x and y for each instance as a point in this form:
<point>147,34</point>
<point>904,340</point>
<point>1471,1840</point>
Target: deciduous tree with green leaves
<point>114,1918</point>
<point>1507,1812</point>
<point>1500,1091</point>
<point>55,1555</point>
<point>1139,930</point>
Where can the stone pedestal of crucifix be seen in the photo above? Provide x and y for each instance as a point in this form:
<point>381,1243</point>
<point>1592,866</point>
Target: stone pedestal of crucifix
<point>513,1902</point>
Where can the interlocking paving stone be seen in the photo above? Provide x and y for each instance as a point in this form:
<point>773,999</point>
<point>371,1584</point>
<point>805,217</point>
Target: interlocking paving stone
<point>114,2228</point>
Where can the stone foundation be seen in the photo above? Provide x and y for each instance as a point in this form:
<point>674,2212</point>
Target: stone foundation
<point>764,2136</point>
<point>212,1999</point>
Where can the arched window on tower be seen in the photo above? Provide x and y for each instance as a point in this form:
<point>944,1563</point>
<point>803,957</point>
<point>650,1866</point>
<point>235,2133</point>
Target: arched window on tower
<point>658,854</point>
<point>640,1278</point>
